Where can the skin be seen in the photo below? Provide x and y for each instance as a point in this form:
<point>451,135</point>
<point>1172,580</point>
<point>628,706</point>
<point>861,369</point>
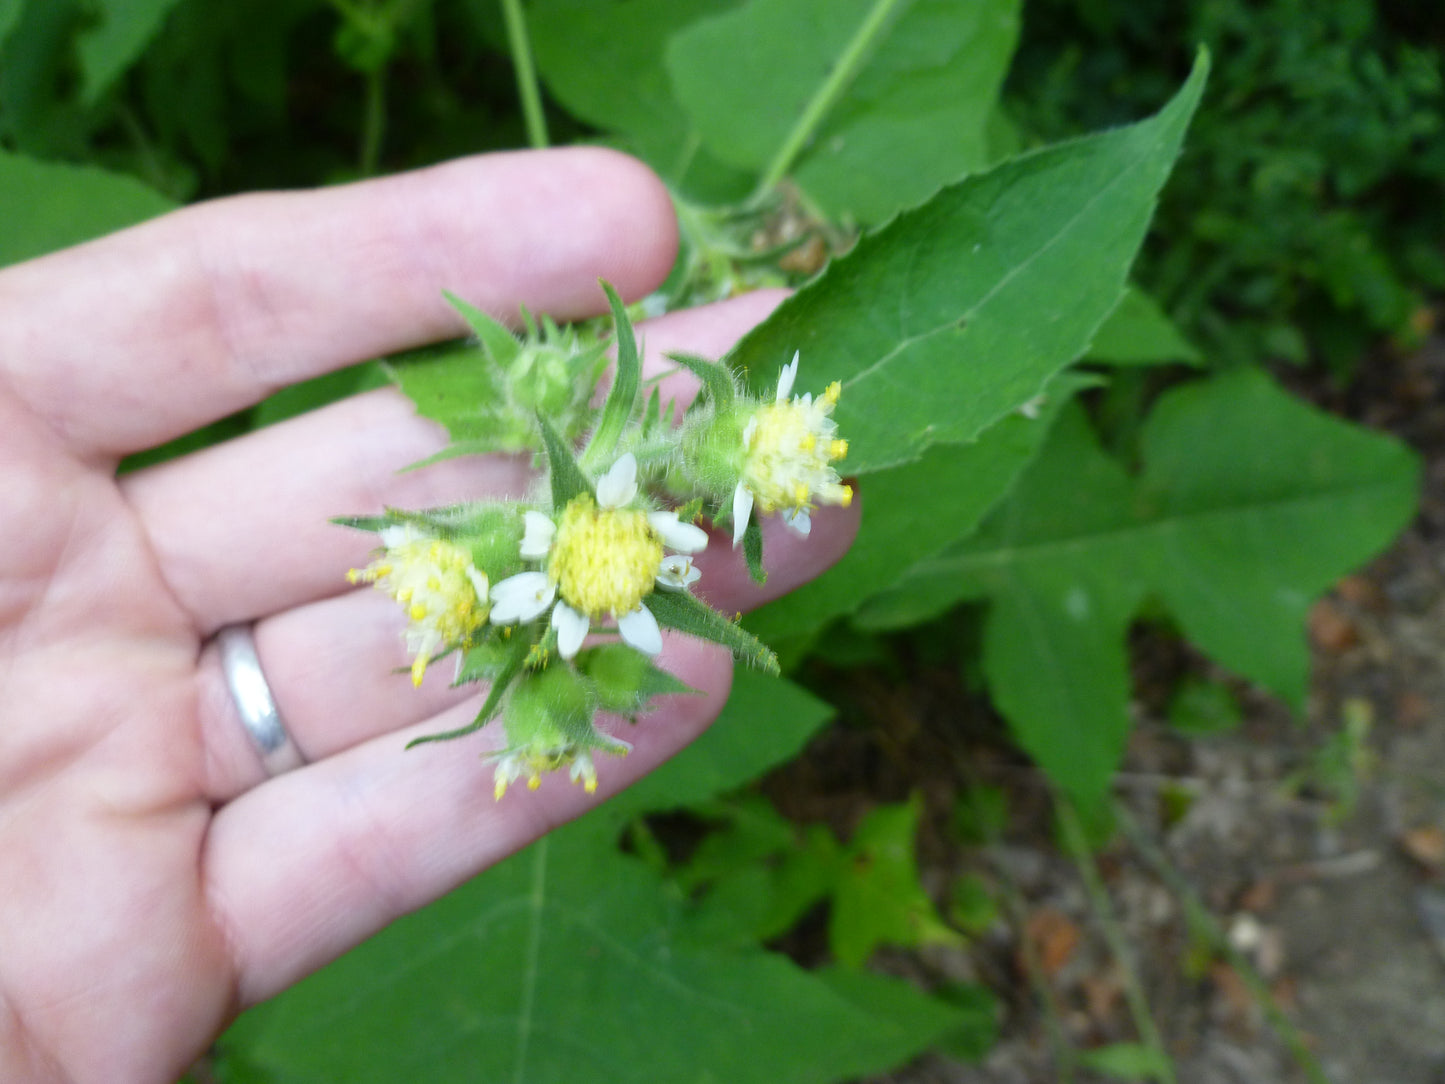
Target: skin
<point>155,881</point>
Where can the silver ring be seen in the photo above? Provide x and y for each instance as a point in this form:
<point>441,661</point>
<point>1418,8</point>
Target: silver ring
<point>254,702</point>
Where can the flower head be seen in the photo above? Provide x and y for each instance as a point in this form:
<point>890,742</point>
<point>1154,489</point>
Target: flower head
<point>445,595</point>
<point>603,556</point>
<point>789,446</point>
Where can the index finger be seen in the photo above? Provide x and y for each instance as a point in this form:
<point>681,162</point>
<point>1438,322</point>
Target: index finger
<point>122,343</point>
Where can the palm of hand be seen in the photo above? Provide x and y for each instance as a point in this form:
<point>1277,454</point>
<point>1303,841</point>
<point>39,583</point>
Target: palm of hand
<point>154,881</point>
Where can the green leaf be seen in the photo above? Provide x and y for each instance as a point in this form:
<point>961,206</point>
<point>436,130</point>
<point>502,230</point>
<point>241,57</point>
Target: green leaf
<point>621,401</point>
<point>9,16</point>
<point>1128,1061</point>
<point>1250,505</point>
<point>112,43</point>
<point>458,386</point>
<point>1138,332</point>
<point>959,312</point>
<point>879,900</point>
<point>910,513</point>
<point>65,205</point>
<point>573,962</point>
<point>681,611</point>
<point>630,94</point>
<point>749,77</point>
<point>563,473</point>
<point>624,679</point>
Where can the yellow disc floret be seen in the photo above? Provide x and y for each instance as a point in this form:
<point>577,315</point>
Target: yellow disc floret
<point>789,448</point>
<point>603,560</point>
<point>445,595</point>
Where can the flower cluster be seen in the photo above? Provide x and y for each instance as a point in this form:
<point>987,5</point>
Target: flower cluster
<point>515,589</point>
<point>788,450</point>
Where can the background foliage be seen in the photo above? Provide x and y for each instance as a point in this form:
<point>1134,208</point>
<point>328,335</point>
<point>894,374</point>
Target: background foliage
<point>1044,462</point>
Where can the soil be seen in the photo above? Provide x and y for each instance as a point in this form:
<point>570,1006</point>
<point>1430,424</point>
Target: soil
<point>1315,846</point>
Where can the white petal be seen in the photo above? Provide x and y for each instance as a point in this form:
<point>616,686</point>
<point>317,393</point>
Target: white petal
<point>787,376</point>
<point>677,573</point>
<point>521,597</point>
<point>799,520</point>
<point>639,628</point>
<point>537,535</point>
<point>479,581</point>
<point>676,535</point>
<point>749,431</point>
<point>397,535</point>
<point>742,509</point>
<point>571,629</point>
<point>619,485</point>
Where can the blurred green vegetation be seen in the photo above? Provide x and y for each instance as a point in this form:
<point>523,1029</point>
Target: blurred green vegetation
<point>1305,219</point>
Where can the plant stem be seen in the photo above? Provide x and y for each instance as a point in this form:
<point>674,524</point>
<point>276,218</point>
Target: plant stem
<point>826,96</point>
<point>1104,910</point>
<point>1204,923</point>
<point>373,126</point>
<point>527,90</point>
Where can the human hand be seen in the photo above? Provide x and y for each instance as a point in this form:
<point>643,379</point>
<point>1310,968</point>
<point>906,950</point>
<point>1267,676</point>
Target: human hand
<point>156,882</point>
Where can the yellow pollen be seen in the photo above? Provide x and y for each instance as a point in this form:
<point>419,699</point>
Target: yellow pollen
<point>809,442</point>
<point>837,449</point>
<point>418,669</point>
<point>590,786</point>
<point>603,560</point>
<point>534,782</point>
<point>833,392</point>
<point>800,493</point>
<point>500,789</point>
<point>417,612</point>
<point>846,497</point>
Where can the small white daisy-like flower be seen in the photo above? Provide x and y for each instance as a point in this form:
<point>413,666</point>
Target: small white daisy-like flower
<point>789,446</point>
<point>602,558</point>
<point>445,595</point>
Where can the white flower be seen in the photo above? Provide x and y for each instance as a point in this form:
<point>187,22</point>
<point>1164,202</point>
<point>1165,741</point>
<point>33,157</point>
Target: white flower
<point>603,557</point>
<point>789,446</point>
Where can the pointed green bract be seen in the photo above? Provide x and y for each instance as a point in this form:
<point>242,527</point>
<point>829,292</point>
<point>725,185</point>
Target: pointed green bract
<point>715,378</point>
<point>753,550</point>
<point>563,473</point>
<point>500,344</point>
<point>621,401</point>
<point>681,611</point>
<point>507,672</point>
<point>625,679</point>
<point>959,312</point>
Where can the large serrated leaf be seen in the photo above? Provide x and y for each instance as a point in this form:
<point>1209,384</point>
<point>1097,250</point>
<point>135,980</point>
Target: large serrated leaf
<point>960,311</point>
<point>573,962</point>
<point>1250,505</point>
